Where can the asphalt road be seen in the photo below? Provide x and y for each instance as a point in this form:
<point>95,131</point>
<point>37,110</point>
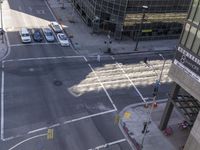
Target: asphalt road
<point>48,86</point>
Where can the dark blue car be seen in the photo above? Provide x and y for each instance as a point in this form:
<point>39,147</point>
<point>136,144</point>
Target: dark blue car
<point>37,35</point>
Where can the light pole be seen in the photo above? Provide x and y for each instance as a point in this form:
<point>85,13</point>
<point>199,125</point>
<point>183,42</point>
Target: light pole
<point>155,92</point>
<point>140,27</point>
<point>1,31</point>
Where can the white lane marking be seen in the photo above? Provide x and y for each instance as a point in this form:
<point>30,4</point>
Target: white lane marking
<point>37,130</point>
<point>51,11</point>
<point>89,116</point>
<point>2,103</point>
<point>41,135</point>
<point>55,125</point>
<point>60,124</point>
<point>9,138</point>
<point>41,58</point>
<point>103,87</point>
<point>141,96</point>
<point>32,44</point>
<point>108,144</point>
<point>85,58</point>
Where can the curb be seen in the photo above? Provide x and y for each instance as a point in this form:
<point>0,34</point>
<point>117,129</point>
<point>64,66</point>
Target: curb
<point>133,143</point>
<point>145,51</point>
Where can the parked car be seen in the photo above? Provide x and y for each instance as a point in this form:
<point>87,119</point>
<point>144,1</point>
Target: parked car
<point>37,35</point>
<point>56,27</point>
<point>48,33</point>
<point>25,35</point>
<point>63,40</point>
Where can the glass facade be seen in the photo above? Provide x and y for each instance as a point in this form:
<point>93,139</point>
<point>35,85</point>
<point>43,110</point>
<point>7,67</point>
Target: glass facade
<point>191,34</point>
<point>163,18</point>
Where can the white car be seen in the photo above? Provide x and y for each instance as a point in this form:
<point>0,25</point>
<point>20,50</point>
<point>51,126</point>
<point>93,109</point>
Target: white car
<point>25,35</point>
<point>56,27</point>
<point>63,40</point>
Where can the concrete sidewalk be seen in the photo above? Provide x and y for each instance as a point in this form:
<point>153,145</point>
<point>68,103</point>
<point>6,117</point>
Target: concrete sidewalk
<point>85,42</point>
<point>132,124</point>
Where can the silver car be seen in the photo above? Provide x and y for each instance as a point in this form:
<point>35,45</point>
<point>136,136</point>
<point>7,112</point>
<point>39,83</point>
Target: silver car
<point>56,27</point>
<point>48,33</point>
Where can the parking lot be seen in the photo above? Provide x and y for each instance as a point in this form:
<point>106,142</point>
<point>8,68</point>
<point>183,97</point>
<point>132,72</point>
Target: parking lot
<point>15,40</point>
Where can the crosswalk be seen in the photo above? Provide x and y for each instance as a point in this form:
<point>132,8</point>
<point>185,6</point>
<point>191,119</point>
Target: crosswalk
<point>112,76</point>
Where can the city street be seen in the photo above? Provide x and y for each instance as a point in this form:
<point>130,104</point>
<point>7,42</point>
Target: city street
<point>45,86</point>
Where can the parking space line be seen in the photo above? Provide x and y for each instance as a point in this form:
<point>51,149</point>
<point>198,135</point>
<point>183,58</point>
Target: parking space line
<point>32,44</point>
<point>139,93</point>
<point>109,144</point>
<point>103,87</point>
<point>2,103</point>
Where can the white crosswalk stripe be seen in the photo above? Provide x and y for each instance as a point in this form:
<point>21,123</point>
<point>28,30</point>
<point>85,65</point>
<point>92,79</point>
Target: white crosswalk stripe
<point>112,76</point>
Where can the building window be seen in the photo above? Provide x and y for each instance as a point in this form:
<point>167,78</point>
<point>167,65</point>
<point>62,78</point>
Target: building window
<point>197,16</point>
<point>191,36</point>
<point>185,34</point>
<point>193,10</point>
<point>196,44</point>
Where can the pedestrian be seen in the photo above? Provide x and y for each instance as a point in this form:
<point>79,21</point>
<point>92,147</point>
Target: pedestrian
<point>98,58</point>
<point>145,127</point>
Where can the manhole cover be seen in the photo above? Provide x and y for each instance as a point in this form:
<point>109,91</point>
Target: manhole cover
<point>57,82</point>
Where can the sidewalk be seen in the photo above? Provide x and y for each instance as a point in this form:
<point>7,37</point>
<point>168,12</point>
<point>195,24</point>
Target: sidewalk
<point>85,42</point>
<point>132,124</point>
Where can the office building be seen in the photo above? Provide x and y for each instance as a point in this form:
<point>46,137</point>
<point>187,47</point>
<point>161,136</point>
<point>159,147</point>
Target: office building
<point>185,72</point>
<point>163,18</point>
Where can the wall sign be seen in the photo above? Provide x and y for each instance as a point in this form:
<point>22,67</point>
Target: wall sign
<point>188,62</point>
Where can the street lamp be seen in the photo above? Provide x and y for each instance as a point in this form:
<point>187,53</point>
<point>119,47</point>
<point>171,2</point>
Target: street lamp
<point>155,92</point>
<point>140,27</point>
